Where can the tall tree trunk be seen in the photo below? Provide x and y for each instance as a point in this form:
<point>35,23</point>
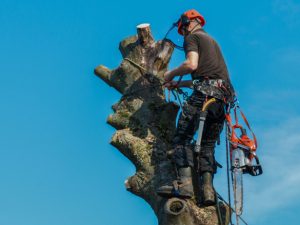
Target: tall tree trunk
<point>145,124</point>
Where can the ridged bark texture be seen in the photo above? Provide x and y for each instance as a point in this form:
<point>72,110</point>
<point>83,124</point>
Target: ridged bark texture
<point>145,124</point>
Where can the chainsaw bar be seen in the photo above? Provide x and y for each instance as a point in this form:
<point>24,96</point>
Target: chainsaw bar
<point>238,190</point>
<point>237,180</point>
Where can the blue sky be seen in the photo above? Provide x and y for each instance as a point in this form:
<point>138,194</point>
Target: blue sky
<point>56,166</point>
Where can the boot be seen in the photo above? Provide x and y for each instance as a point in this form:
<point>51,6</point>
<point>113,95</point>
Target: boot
<point>209,197</point>
<point>182,188</point>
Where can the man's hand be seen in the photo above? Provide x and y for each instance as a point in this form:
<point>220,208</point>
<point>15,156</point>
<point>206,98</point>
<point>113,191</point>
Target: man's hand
<point>188,66</point>
<point>171,84</point>
<point>168,76</point>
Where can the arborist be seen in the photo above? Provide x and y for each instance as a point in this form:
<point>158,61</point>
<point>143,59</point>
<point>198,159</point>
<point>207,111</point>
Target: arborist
<point>210,79</point>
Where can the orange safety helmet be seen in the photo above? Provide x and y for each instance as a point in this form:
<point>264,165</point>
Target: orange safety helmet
<point>186,18</point>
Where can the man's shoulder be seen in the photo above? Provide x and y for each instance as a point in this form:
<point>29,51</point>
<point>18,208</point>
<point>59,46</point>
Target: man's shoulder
<point>191,37</point>
<point>202,34</point>
<point>198,35</point>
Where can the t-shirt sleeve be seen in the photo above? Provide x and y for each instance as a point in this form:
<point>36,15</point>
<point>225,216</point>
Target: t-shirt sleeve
<point>191,43</point>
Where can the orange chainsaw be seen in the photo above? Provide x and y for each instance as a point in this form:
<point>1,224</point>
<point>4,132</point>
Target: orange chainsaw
<point>242,155</point>
<point>243,147</point>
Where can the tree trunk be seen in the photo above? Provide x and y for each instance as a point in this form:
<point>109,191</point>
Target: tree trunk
<point>145,124</point>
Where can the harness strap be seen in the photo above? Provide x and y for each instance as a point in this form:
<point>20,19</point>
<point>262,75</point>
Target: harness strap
<point>234,138</point>
<point>248,125</point>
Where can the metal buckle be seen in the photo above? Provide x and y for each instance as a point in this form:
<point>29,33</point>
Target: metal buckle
<point>196,82</point>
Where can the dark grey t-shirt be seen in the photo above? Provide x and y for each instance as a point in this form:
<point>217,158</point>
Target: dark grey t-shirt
<point>211,63</point>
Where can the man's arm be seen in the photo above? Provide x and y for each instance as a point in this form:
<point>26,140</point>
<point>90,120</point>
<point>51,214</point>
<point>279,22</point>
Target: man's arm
<point>186,83</point>
<point>187,67</point>
<point>174,84</point>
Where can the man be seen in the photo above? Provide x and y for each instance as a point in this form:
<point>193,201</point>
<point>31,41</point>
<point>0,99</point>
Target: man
<point>205,63</point>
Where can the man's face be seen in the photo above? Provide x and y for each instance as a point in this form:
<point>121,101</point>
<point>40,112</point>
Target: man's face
<point>188,28</point>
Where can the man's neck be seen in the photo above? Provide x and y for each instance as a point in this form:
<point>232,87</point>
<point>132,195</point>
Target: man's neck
<point>196,28</point>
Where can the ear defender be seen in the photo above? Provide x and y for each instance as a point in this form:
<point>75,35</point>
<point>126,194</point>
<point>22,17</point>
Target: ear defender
<point>185,21</point>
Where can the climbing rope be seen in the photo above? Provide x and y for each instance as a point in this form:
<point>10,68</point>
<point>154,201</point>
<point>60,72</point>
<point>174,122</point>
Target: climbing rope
<point>169,40</point>
<point>231,209</point>
<point>218,209</point>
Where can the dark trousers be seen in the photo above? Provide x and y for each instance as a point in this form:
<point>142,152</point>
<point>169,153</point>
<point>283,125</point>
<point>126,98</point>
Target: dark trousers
<point>187,126</point>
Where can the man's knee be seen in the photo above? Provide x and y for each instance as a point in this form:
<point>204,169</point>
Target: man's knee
<point>183,155</point>
<point>207,162</point>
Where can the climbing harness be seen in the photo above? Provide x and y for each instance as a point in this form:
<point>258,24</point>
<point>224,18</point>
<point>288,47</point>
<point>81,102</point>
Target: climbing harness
<point>217,88</point>
<point>242,151</point>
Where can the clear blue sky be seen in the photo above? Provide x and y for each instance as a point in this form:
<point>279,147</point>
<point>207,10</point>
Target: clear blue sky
<point>56,166</point>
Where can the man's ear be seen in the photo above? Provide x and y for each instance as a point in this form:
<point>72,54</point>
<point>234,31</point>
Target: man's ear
<point>191,25</point>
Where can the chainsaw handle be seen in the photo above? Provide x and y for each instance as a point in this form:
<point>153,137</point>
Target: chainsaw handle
<point>255,170</point>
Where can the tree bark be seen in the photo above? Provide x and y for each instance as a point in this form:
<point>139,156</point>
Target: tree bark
<point>146,123</point>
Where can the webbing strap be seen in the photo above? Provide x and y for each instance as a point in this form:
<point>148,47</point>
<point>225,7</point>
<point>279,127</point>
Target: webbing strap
<point>237,125</point>
<point>246,122</point>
